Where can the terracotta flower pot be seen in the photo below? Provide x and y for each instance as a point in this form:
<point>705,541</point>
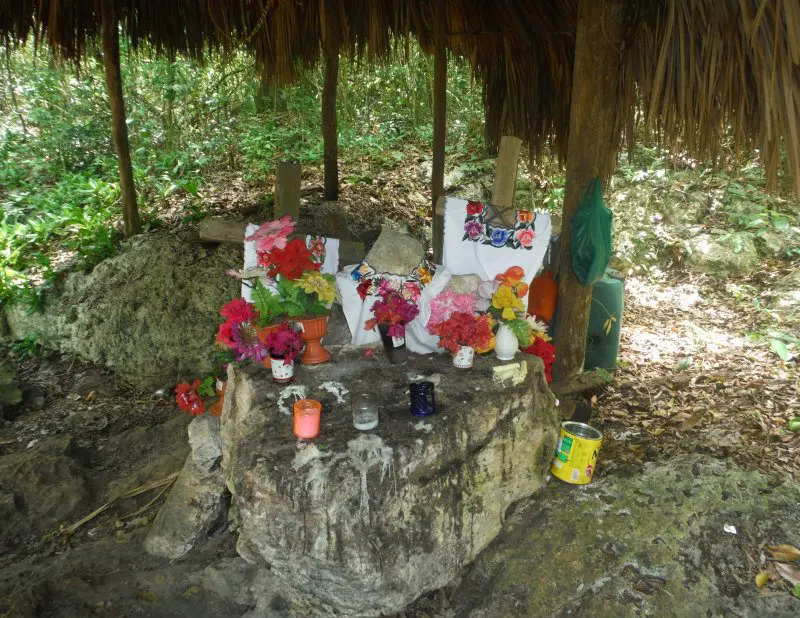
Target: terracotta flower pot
<point>314,329</point>
<point>262,337</point>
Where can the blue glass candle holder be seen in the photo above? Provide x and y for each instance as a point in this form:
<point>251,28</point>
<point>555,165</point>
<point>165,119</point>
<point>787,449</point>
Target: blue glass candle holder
<point>421,398</point>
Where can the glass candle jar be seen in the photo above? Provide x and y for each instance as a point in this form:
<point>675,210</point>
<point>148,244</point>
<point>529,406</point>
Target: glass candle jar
<point>306,418</point>
<point>365,410</point>
<point>421,398</point>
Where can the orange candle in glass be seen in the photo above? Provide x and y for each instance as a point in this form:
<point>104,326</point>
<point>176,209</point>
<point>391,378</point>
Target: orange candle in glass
<point>306,418</point>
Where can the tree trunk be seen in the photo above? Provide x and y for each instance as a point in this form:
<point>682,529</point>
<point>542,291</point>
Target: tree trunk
<point>439,122</point>
<point>330,134</point>
<point>171,134</point>
<point>505,177</point>
<point>287,190</point>
<point>591,152</point>
<point>119,128</point>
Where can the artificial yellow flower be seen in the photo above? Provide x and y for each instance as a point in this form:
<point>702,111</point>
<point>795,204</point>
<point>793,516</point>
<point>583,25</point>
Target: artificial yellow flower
<point>425,275</point>
<point>505,298</point>
<point>313,282</point>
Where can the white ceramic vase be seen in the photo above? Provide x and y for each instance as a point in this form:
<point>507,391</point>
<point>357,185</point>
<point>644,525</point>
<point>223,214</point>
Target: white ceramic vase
<point>506,343</point>
<point>282,370</point>
<point>464,357</point>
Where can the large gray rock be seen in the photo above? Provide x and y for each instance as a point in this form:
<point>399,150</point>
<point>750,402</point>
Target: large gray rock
<point>707,253</point>
<point>366,522</point>
<point>197,502</point>
<point>650,543</point>
<point>150,313</point>
<point>395,252</point>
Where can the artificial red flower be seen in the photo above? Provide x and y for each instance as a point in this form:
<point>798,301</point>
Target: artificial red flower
<point>474,208</point>
<point>238,310</point>
<point>392,310</point>
<point>462,329</point>
<point>365,288</point>
<point>546,351</point>
<point>289,262</point>
<point>225,334</point>
<point>188,399</point>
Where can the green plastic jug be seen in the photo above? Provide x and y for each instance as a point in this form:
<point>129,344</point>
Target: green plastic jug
<point>605,322</point>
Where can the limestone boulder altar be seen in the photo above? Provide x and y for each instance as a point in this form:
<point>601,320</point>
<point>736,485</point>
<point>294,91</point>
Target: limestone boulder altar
<point>364,522</point>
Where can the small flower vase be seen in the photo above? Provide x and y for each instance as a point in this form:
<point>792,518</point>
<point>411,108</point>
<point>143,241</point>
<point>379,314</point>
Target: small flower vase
<point>282,370</point>
<point>313,330</point>
<point>395,347</point>
<point>464,357</point>
<point>506,343</point>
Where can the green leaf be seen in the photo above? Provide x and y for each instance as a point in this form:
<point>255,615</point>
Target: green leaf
<point>796,591</point>
<point>521,330</point>
<point>794,424</point>
<point>206,388</point>
<point>268,305</point>
<point>780,348</point>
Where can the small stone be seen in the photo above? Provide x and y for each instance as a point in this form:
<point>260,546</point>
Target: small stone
<point>396,253</point>
<point>463,284</point>
<point>195,505</point>
<point>205,441</point>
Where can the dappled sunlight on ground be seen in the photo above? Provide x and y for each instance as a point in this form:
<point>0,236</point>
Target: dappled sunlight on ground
<point>690,380</point>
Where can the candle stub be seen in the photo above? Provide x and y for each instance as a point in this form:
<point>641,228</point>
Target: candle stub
<point>306,418</point>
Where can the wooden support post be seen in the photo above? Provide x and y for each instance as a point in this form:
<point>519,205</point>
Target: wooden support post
<point>505,177</point>
<point>330,135</point>
<point>439,122</point>
<point>287,190</point>
<point>119,127</point>
<point>590,153</point>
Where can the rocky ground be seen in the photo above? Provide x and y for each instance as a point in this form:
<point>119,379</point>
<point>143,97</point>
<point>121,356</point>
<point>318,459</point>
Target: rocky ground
<point>695,442</point>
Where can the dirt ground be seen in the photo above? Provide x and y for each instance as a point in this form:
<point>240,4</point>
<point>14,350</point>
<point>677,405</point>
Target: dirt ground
<point>688,381</point>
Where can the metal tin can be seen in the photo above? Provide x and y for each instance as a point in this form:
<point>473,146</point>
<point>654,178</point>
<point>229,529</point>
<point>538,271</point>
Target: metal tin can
<point>576,453</point>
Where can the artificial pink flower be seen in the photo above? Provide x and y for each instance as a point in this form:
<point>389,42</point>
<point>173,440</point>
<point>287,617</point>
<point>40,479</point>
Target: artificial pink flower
<point>525,237</point>
<point>272,234</point>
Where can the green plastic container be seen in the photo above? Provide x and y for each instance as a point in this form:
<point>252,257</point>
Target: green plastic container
<point>605,322</point>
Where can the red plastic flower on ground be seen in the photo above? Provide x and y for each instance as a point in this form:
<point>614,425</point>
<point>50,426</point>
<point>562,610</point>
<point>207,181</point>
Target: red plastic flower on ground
<point>474,208</point>
<point>545,351</point>
<point>289,262</point>
<point>188,399</point>
<point>238,310</point>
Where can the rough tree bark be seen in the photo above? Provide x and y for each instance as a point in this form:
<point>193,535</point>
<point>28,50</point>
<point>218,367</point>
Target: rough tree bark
<point>119,128</point>
<point>590,153</point>
<point>330,135</point>
<point>439,121</point>
<point>505,176</point>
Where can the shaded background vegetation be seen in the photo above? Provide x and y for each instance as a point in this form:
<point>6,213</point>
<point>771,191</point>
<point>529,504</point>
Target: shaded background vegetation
<point>187,122</point>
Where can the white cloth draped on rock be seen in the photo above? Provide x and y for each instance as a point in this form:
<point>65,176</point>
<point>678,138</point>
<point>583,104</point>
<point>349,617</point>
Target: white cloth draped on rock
<point>357,311</point>
<point>467,257</point>
<point>329,266</point>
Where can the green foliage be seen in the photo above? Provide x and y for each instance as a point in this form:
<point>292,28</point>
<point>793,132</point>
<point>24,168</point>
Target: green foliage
<point>521,330</point>
<point>29,347</point>
<point>58,170</point>
<point>269,306</point>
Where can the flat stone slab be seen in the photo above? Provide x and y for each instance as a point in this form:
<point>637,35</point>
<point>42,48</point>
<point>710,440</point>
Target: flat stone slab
<point>368,521</point>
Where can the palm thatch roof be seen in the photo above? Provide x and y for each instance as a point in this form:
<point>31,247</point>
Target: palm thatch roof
<point>690,70</point>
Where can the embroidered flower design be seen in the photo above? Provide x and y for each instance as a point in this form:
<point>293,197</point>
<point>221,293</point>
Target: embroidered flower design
<point>525,237</point>
<point>524,216</point>
<point>474,229</point>
<point>474,208</point>
<point>317,247</point>
<point>499,236</point>
<point>365,288</point>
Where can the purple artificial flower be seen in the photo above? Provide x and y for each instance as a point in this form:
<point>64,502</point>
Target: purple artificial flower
<point>246,343</point>
<point>474,229</point>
